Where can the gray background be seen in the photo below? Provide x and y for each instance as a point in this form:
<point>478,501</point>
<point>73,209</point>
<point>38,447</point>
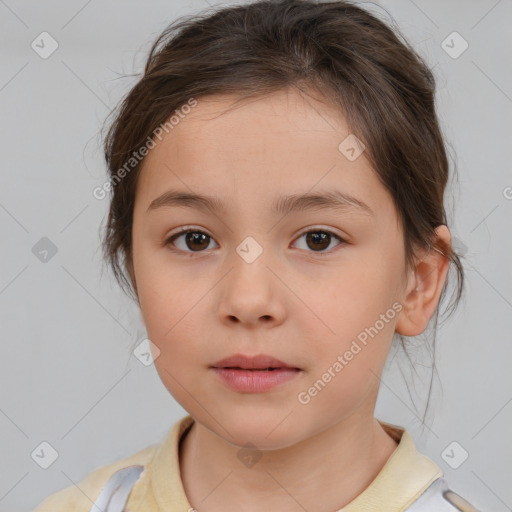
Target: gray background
<point>67,373</point>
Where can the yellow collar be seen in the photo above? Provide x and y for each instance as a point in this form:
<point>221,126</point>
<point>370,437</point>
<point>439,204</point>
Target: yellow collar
<point>406,474</point>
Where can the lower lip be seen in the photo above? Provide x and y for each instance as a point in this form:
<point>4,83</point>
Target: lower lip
<point>255,381</point>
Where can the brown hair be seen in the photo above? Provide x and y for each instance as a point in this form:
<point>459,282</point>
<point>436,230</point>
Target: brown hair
<point>354,60</point>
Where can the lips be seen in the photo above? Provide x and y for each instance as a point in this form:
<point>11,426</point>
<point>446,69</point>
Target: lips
<point>255,374</point>
<point>259,362</point>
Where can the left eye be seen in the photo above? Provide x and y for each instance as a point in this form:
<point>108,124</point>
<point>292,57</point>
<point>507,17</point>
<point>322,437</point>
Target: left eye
<point>319,239</point>
<point>197,241</point>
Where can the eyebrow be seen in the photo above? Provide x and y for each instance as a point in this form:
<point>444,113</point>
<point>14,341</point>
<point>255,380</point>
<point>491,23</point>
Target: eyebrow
<point>330,199</point>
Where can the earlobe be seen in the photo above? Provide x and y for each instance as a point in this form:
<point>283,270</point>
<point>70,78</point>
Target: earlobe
<point>424,286</point>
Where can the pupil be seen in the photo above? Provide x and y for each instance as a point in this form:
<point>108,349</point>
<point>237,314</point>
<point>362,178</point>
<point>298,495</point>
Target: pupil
<point>196,238</point>
<point>318,237</point>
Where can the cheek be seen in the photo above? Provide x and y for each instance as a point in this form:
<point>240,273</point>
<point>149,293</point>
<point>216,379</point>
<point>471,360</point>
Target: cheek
<point>367,283</point>
<point>356,316</point>
<point>171,307</point>
<point>346,366</point>
<point>355,297</point>
<point>162,298</point>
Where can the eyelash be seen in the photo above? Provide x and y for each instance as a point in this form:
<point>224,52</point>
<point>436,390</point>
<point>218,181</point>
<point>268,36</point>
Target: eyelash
<point>169,241</point>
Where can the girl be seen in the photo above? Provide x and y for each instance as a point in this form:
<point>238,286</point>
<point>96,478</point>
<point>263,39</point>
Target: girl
<point>277,180</point>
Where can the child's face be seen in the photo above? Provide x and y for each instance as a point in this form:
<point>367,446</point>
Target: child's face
<point>303,300</point>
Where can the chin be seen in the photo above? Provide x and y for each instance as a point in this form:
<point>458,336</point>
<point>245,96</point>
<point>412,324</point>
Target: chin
<point>266,431</point>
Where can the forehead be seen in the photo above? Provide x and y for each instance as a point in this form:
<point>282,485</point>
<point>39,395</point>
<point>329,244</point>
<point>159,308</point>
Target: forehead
<point>285,142</point>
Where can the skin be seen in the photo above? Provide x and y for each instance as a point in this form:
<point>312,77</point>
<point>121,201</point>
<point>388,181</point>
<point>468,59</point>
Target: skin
<point>292,302</point>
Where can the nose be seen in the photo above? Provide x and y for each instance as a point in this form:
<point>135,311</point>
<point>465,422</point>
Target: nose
<point>252,294</point>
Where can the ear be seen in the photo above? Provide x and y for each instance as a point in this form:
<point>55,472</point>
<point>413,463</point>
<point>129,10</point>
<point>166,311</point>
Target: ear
<point>424,285</point>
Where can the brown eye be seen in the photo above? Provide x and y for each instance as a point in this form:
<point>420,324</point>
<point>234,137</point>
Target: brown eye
<point>319,240</point>
<point>193,240</point>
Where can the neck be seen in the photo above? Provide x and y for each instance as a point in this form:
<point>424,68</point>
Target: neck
<point>322,473</point>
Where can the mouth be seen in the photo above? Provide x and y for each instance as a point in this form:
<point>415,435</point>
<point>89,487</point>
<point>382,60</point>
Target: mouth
<point>256,380</point>
<point>254,374</point>
<point>257,363</point>
<point>270,369</point>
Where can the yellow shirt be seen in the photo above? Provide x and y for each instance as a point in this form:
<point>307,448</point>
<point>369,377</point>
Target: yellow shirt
<point>406,475</point>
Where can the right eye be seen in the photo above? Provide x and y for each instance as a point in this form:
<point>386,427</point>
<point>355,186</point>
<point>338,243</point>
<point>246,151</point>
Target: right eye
<point>194,240</point>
